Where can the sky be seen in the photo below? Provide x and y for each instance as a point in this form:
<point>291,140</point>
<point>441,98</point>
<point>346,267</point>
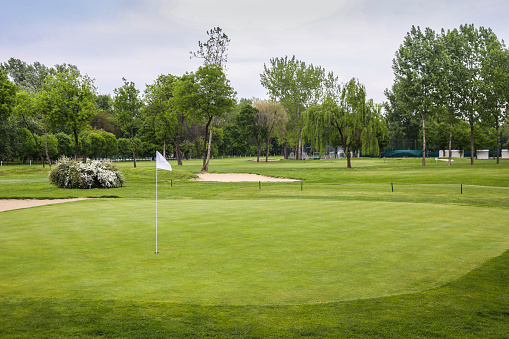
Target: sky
<point>142,39</point>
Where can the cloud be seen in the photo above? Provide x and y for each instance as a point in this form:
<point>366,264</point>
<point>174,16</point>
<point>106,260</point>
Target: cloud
<point>141,39</point>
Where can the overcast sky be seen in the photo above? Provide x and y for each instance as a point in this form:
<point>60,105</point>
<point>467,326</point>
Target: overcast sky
<point>139,40</point>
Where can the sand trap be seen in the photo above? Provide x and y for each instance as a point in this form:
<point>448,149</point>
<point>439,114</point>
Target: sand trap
<point>13,204</point>
<point>237,177</point>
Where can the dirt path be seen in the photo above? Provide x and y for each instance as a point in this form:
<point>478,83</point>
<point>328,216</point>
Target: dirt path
<point>13,204</point>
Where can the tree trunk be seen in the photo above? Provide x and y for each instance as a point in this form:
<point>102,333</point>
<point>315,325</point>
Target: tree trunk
<point>299,152</point>
<point>178,135</point>
<point>471,143</point>
<point>285,150</point>
<point>259,149</point>
<point>205,166</point>
<point>267,143</point>
<point>498,146</point>
<point>209,147</point>
<point>133,147</point>
<point>450,143</point>
<point>76,144</point>
<point>36,143</point>
<point>423,140</point>
<point>164,147</point>
<point>46,147</point>
<point>348,160</point>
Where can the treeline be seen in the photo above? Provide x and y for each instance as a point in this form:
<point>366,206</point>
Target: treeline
<point>450,92</point>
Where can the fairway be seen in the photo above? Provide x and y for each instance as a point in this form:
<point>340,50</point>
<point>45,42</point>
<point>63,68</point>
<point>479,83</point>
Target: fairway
<point>243,252</point>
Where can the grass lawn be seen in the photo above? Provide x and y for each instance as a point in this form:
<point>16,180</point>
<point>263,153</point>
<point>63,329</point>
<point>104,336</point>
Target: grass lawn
<point>387,249</point>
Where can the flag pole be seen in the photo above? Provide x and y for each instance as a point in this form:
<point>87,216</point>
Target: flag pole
<point>156,209</point>
<point>160,163</point>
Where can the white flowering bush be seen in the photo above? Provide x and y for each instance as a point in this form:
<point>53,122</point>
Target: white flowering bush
<point>70,173</point>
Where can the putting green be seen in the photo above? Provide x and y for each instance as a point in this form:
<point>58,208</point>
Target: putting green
<point>260,252</point>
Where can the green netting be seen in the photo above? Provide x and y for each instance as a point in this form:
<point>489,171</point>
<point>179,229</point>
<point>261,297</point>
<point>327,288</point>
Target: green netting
<point>403,154</point>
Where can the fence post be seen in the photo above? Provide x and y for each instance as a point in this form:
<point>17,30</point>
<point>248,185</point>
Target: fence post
<point>392,186</point>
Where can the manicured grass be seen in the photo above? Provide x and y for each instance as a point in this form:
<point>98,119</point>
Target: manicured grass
<point>243,252</point>
<point>342,254</point>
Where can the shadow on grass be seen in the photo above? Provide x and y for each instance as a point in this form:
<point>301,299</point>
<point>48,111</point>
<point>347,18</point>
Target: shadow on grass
<point>474,306</point>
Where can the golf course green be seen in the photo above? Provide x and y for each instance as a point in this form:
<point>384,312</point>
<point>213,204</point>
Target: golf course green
<point>244,258</point>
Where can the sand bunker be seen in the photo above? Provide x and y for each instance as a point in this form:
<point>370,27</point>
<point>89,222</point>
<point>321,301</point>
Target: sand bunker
<point>13,204</point>
<point>237,177</point>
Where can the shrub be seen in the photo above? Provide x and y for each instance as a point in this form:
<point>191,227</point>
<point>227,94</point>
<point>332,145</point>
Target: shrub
<point>70,173</point>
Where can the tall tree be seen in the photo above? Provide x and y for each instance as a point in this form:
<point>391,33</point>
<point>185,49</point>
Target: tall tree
<point>495,84</point>
<point>297,86</point>
<point>215,97</point>
<point>416,70</point>
<point>127,104</point>
<point>214,53</point>
<point>450,84</point>
<point>215,50</point>
<point>71,101</point>
<point>471,94</point>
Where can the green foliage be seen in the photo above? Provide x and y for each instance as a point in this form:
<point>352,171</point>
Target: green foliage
<point>65,144</point>
<point>127,104</point>
<point>110,144</point>
<point>69,98</point>
<point>93,174</point>
<point>296,86</point>
<point>7,95</point>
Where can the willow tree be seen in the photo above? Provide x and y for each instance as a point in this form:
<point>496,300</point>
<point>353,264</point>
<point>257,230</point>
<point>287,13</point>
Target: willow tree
<point>296,86</point>
<point>349,120</point>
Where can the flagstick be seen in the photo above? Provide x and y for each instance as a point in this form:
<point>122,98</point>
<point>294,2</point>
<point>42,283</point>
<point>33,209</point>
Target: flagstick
<point>156,210</point>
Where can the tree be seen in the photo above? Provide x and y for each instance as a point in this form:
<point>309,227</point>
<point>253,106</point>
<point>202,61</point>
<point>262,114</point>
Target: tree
<point>495,84</point>
<point>346,118</point>
<point>95,145</point>
<point>251,126</point>
<point>7,95</point>
<point>451,84</point>
<point>71,101</point>
<point>272,117</point>
<point>65,144</point>
<point>215,50</point>
<point>416,70</point>
<point>127,104</point>
<point>26,112</point>
<point>29,78</point>
<point>208,95</point>
<point>110,144</point>
<point>471,94</point>
<point>163,107</point>
<point>297,86</point>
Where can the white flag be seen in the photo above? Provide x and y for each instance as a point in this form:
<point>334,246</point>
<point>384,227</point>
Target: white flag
<point>161,162</point>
